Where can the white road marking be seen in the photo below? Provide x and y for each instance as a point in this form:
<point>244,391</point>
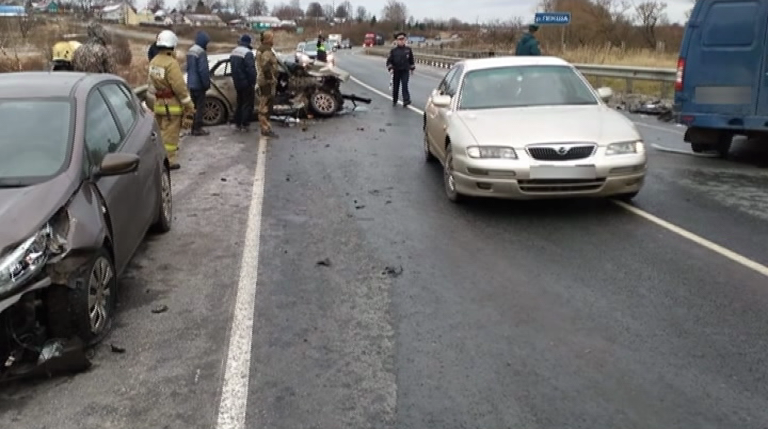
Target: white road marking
<point>234,392</point>
<point>701,241</point>
<point>682,152</point>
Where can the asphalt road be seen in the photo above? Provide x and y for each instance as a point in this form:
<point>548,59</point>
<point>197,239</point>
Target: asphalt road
<point>366,300</point>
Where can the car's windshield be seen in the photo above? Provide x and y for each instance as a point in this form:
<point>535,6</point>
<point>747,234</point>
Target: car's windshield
<point>35,139</point>
<point>522,86</point>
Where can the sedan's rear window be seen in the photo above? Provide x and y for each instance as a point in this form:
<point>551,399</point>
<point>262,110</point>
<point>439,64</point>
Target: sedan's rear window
<point>35,139</point>
<point>523,86</point>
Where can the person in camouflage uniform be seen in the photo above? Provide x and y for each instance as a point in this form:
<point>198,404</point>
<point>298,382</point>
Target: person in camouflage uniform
<point>266,80</point>
<point>94,56</point>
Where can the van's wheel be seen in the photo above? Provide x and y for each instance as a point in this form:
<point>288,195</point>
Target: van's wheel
<point>723,146</point>
<point>214,113</point>
<point>165,211</point>
<point>93,297</point>
<point>323,104</point>
<point>700,147</point>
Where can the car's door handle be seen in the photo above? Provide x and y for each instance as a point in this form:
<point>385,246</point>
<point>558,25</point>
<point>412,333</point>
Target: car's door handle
<point>154,135</point>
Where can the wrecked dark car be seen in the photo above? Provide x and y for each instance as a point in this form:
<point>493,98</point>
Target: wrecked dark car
<point>304,87</point>
<point>83,178</point>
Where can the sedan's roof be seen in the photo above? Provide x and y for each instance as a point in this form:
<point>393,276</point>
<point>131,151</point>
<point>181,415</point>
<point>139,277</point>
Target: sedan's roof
<point>513,61</point>
<point>44,83</point>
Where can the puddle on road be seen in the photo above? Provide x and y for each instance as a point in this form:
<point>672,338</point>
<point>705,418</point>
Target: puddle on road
<point>741,190</point>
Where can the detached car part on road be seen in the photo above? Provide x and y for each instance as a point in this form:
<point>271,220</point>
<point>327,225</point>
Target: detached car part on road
<point>312,88</point>
<point>83,177</point>
<point>529,128</point>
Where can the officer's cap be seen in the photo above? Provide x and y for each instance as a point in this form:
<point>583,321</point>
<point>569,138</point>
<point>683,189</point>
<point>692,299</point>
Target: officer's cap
<point>399,35</point>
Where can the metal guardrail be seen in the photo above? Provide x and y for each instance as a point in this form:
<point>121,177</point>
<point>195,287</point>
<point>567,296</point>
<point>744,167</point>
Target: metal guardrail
<point>665,77</point>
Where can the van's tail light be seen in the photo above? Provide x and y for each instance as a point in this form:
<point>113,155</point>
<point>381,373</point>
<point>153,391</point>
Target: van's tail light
<point>679,76</point>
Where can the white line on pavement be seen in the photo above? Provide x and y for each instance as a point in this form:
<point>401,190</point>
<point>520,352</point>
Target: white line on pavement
<point>234,393</point>
<point>742,260</point>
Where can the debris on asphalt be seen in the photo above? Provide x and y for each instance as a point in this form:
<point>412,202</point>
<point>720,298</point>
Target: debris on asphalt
<point>359,206</point>
<point>360,128</point>
<point>324,262</point>
<point>392,271</point>
<point>382,130</point>
<point>160,309</point>
<point>223,179</point>
<point>116,349</point>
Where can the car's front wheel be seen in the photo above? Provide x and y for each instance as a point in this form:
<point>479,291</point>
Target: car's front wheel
<point>215,112</point>
<point>449,180</point>
<point>93,298</point>
<point>323,103</point>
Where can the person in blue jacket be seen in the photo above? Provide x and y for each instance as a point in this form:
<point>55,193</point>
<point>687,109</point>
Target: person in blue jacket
<point>243,66</point>
<point>198,79</point>
<point>528,45</point>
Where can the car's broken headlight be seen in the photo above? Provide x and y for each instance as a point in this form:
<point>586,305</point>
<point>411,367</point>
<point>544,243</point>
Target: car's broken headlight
<point>624,148</point>
<point>21,264</point>
<point>502,152</point>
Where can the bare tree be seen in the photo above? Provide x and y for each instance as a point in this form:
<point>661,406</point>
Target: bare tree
<point>648,15</point>
<point>314,10</point>
<point>395,11</point>
<point>328,11</point>
<point>295,4</point>
<point>344,10</point>
<point>257,8</point>
<point>287,11</point>
<point>361,14</point>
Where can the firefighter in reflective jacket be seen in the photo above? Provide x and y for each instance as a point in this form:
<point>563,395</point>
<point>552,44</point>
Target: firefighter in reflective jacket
<point>167,95</point>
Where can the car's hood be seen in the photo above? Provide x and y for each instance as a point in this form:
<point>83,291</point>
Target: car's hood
<point>525,125</point>
<point>24,210</point>
<point>324,69</point>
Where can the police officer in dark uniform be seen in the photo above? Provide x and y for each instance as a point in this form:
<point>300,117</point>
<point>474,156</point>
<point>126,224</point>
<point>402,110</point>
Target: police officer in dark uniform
<point>401,65</point>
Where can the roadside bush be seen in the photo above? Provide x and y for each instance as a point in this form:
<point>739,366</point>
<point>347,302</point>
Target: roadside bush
<point>12,63</point>
<point>121,50</point>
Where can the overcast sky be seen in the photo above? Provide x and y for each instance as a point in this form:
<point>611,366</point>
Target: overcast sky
<point>468,10</point>
<point>486,10</point>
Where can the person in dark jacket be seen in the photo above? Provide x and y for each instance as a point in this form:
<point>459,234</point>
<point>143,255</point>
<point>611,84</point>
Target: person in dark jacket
<point>528,45</point>
<point>198,79</point>
<point>401,65</point>
<point>243,66</point>
<point>322,55</point>
<point>152,51</point>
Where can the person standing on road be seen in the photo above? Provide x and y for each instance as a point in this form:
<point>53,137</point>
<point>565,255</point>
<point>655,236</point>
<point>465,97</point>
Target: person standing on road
<point>244,78</point>
<point>94,56</point>
<point>198,79</point>
<point>401,65</point>
<point>167,94</point>
<point>267,79</point>
<point>322,55</point>
<point>528,45</point>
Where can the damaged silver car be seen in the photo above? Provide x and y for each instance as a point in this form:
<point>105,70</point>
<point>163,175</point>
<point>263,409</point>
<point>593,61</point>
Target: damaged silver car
<point>83,177</point>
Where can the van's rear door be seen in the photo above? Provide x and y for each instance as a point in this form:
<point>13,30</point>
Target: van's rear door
<point>724,59</point>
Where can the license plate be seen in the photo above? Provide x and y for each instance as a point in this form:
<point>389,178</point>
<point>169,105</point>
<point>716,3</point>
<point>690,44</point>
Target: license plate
<point>563,172</point>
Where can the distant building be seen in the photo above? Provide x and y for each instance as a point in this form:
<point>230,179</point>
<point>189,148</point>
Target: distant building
<point>49,6</point>
<point>120,13</point>
<point>12,11</point>
<point>203,20</point>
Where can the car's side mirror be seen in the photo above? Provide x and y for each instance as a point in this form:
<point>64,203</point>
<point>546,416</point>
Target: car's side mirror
<point>605,93</point>
<point>117,164</point>
<point>441,100</point>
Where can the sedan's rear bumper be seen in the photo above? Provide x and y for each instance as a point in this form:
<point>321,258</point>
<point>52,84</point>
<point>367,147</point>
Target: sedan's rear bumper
<point>516,183</point>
